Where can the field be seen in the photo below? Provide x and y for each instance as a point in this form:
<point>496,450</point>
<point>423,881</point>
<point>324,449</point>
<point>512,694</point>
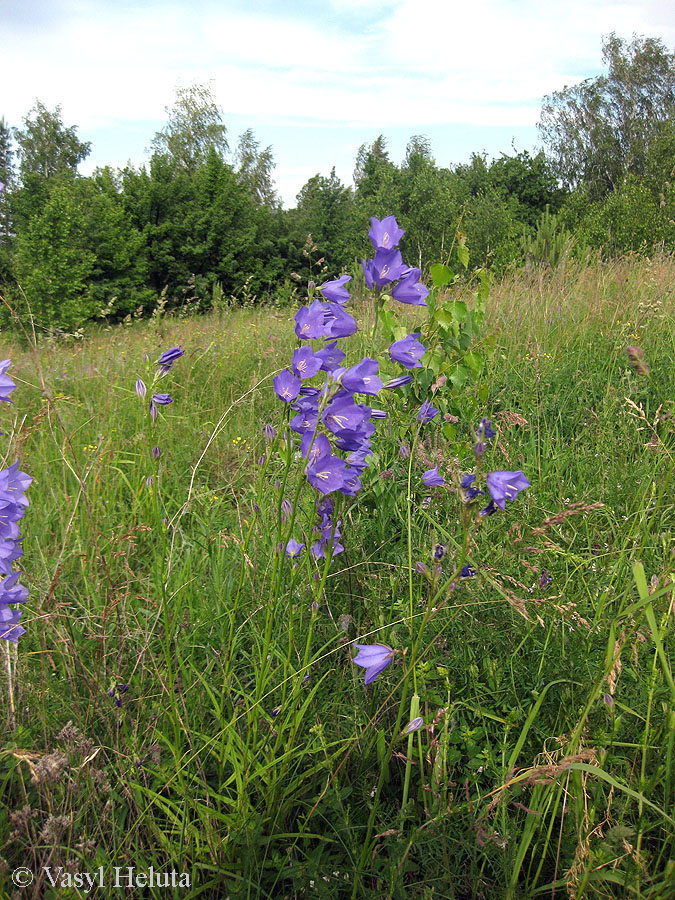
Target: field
<point>184,697</point>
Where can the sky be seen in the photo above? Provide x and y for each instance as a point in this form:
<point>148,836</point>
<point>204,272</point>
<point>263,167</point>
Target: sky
<point>315,79</point>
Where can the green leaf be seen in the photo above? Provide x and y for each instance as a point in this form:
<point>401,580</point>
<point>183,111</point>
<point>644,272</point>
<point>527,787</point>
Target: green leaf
<point>463,255</point>
<point>459,376</point>
<point>441,275</point>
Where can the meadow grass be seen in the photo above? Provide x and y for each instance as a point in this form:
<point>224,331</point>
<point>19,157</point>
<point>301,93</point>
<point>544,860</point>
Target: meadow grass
<point>545,764</point>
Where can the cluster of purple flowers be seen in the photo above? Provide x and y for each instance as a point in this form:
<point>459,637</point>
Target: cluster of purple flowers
<point>387,266</point>
<point>347,424</point>
<point>164,363</point>
<point>13,503</point>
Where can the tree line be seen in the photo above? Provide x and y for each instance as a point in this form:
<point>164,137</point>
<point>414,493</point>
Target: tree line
<point>201,221</point>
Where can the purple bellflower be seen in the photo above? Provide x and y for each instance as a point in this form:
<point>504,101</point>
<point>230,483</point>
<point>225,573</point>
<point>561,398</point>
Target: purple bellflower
<point>387,266</point>
<point>397,382</point>
<point>304,363</point>
<point>287,386</point>
<point>374,658</point>
<point>335,291</point>
<point>331,356</point>
<point>469,491</point>
<point>386,234</point>
<point>432,478</point>
<point>338,322</point>
<point>362,378</point>
<point>309,322</point>
<point>168,358</point>
<point>408,351</point>
<point>293,548</point>
<point>6,383</point>
<point>426,413</point>
<point>410,291</point>
<point>326,473</point>
<point>505,486</point>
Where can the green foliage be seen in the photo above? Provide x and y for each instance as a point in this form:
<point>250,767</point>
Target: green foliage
<point>222,760</point>
<point>550,243</point>
<point>47,148</point>
<point>603,128</point>
<point>195,128</point>
<point>53,266</point>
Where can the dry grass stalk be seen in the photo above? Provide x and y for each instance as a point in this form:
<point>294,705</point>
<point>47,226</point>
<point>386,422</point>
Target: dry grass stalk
<point>573,510</point>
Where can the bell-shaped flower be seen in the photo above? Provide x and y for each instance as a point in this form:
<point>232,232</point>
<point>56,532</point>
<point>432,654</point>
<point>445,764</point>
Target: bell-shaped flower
<point>505,486</point>
<point>168,358</point>
<point>6,383</point>
<point>387,266</point>
<point>304,363</point>
<point>408,351</point>
<point>426,413</point>
<point>433,478</point>
<point>326,473</point>
<point>13,484</point>
<point>293,548</point>
<point>397,382</point>
<point>10,630</point>
<point>335,291</point>
<point>331,356</point>
<point>362,378</point>
<point>309,322</point>
<point>410,291</point>
<point>342,414</point>
<point>374,658</point>
<point>286,386</point>
<point>319,447</point>
<point>386,234</point>
<point>338,322</point>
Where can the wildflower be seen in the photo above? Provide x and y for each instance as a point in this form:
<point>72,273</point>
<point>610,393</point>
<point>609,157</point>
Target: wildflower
<point>387,266</point>
<point>141,388</point>
<point>374,658</point>
<point>439,551</point>
<point>304,363</point>
<point>410,291</point>
<point>6,383</point>
<point>408,351</point>
<point>338,322</point>
<point>293,548</point>
<point>115,693</point>
<point>398,382</point>
<point>505,486</point>
<point>168,358</point>
<point>326,473</point>
<point>362,377</point>
<point>335,291</point>
<point>469,492</point>
<point>403,451</point>
<point>162,399</point>
<point>426,413</point>
<point>545,579</point>
<point>432,478</point>
<point>286,386</point>
<point>413,725</point>
<point>156,452</point>
<point>385,235</point>
<point>485,430</point>
<point>467,572</point>
<point>331,356</point>
<point>309,322</point>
